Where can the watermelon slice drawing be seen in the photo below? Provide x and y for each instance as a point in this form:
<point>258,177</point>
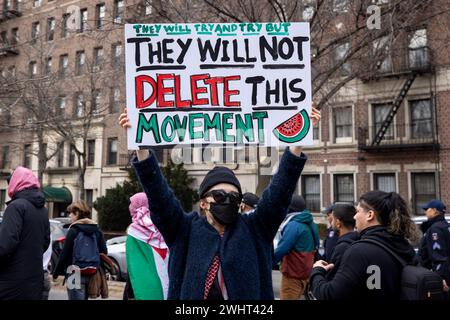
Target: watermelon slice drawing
<point>293,129</point>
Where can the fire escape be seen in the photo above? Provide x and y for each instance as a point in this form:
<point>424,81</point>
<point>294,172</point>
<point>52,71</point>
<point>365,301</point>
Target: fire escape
<point>375,138</point>
<point>10,10</point>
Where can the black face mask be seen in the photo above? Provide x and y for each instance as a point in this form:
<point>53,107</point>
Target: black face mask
<point>225,213</point>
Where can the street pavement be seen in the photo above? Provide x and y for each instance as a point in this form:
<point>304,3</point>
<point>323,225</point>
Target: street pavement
<point>59,292</point>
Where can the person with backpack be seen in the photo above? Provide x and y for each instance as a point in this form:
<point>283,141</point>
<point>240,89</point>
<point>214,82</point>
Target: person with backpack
<point>80,256</point>
<point>369,270</point>
<point>298,244</point>
<point>343,225</point>
<point>434,251</point>
<point>24,237</point>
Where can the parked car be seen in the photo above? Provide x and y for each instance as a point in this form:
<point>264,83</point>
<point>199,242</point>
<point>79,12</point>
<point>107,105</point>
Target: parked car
<point>117,252</point>
<point>58,236</point>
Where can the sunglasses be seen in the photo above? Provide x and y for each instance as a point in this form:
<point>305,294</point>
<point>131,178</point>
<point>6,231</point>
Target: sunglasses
<point>220,196</point>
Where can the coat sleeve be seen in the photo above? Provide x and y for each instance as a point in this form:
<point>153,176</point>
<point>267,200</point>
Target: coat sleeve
<point>276,198</point>
<point>287,241</point>
<point>166,211</point>
<point>437,247</point>
<point>65,258</point>
<point>10,230</point>
<point>347,282</point>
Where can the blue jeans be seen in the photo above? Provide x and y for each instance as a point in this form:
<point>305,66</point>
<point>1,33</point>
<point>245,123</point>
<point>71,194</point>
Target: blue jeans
<point>78,292</point>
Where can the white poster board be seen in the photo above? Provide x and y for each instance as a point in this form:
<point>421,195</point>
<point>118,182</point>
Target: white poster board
<point>210,83</point>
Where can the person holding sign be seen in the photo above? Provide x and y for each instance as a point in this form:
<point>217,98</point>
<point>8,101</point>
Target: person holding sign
<point>219,254</point>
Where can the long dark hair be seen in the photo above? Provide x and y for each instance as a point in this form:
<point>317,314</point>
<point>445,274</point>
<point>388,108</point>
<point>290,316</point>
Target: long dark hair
<point>391,211</point>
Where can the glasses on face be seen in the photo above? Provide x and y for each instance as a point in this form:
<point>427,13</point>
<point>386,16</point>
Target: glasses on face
<point>220,196</point>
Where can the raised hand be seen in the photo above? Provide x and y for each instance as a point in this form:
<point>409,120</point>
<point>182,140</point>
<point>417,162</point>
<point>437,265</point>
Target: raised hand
<point>124,122</point>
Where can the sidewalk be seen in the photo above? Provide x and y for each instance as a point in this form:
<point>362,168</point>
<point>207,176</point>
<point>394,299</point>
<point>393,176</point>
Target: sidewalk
<point>59,291</point>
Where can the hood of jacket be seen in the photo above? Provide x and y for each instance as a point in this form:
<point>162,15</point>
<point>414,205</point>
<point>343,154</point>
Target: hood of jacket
<point>396,243</point>
<point>34,196</point>
<point>303,217</point>
<point>86,225</point>
<point>349,237</point>
<point>21,179</point>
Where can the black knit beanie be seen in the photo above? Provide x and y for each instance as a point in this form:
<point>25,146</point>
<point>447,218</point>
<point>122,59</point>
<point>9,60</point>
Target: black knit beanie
<point>216,176</point>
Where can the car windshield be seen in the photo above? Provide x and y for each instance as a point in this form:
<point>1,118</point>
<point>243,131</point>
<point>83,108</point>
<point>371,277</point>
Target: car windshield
<point>56,230</point>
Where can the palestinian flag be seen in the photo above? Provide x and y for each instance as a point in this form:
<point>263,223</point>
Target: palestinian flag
<point>147,269</point>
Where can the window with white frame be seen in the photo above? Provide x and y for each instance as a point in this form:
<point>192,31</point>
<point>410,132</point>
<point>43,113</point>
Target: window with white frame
<point>380,112</point>
<point>343,124</point>
<point>344,188</point>
<point>60,155</point>
<point>382,52</point>
<point>116,52</point>
<point>80,61</point>
<point>115,100</point>
<point>35,31</point>
<point>79,105</point>
<point>63,65</point>
<point>98,56</point>
<point>91,153</point>
<point>421,119</point>
<point>112,151</point>
<point>418,51</point>
<point>384,182</point>
<point>83,20</point>
<point>423,187</point>
<point>72,156</point>
<point>100,15</point>
<point>316,133</point>
<point>118,11</point>
<point>51,23</point>
<point>89,197</point>
<point>48,65</point>
<point>65,25</point>
<point>96,100</point>
<point>340,58</point>
<point>311,191</point>
<point>61,109</point>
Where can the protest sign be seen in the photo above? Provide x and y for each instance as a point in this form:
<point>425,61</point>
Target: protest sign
<point>211,83</point>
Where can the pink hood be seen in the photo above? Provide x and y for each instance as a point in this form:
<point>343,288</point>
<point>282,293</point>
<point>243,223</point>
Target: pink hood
<point>22,178</point>
<point>142,227</point>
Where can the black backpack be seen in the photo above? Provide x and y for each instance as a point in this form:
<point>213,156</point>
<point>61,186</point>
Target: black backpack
<point>417,283</point>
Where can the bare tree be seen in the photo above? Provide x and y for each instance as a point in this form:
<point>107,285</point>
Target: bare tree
<point>344,48</point>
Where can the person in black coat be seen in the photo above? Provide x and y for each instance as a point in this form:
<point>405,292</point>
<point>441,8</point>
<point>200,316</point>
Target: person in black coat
<point>368,272</point>
<point>343,225</point>
<point>80,215</point>
<point>24,237</point>
<point>434,250</point>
